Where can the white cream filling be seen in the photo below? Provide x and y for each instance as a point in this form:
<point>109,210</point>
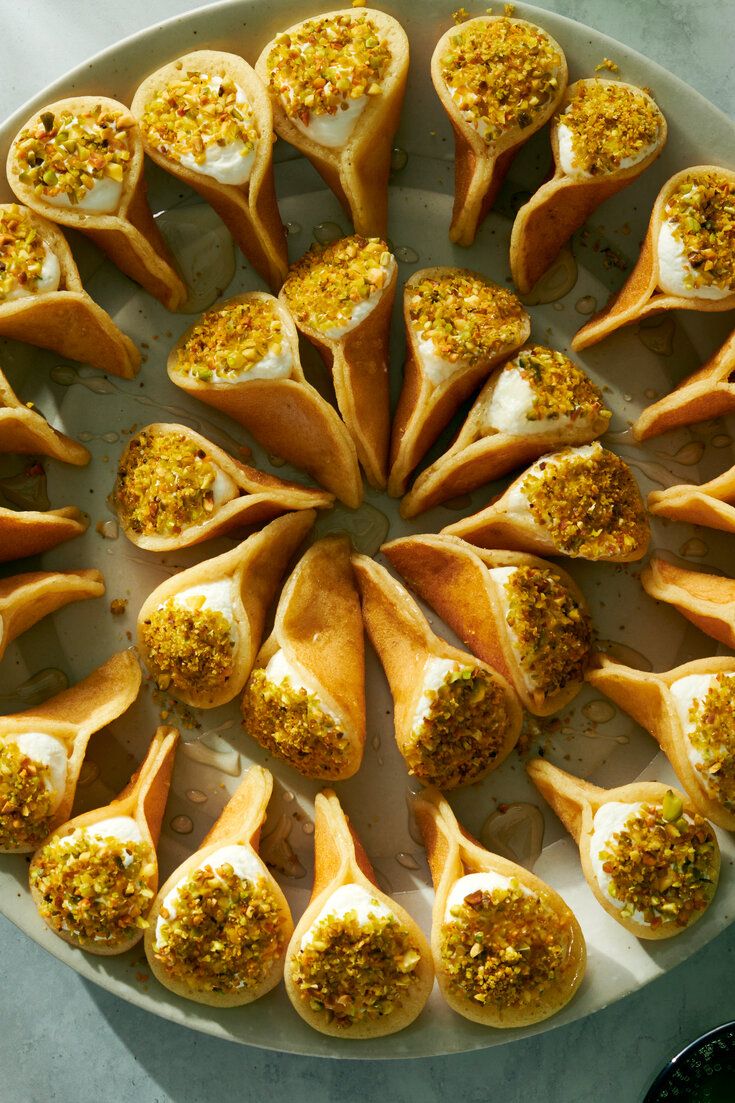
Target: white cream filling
<point>609,820</point>
<point>361,310</point>
<point>217,596</point>
<point>567,164</point>
<point>435,367</point>
<point>224,489</point>
<point>332,131</point>
<point>434,675</point>
<point>487,881</point>
<point>279,668</point>
<point>102,197</point>
<point>516,502</point>
<point>501,575</point>
<point>50,752</point>
<point>224,163</point>
<point>674,269</point>
<point>48,279</point>
<point>245,863</point>
<point>274,365</point>
<point>686,692</point>
<point>511,402</point>
<point>122,828</point>
<point>348,898</point>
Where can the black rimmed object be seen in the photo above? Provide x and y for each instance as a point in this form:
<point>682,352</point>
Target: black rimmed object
<point>704,1072</point>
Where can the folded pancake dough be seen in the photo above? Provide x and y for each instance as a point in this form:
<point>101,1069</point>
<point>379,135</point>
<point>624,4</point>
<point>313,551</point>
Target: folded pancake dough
<point>707,600</point>
<point>711,504</point>
<point>27,598</point>
<point>32,532</point>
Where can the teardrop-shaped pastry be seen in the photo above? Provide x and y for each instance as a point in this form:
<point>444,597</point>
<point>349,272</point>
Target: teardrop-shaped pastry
<point>174,488</point>
<point>27,598</point>
<point>32,532</point>
<point>341,297</point>
<point>455,718</point>
<point>242,357</point>
<point>507,950</point>
<point>690,712</point>
<point>199,631</point>
<point>42,750</point>
<point>649,857</point>
<point>499,80</point>
<point>524,616</point>
<point>206,118</point>
<point>336,83</point>
<point>687,261</point>
<point>305,699</point>
<point>536,402</point>
<point>25,431</point>
<point>580,502</point>
<point>459,326</point>
<point>358,965</point>
<point>707,600</point>
<point>218,929</point>
<point>42,302</point>
<point>79,162</point>
<point>604,134</point>
<point>711,504</point>
<point>94,879</point>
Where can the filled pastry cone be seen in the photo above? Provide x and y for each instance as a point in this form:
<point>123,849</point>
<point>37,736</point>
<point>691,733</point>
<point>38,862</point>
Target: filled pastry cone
<point>690,712</point>
<point>94,879</point>
<point>42,750</point>
<point>711,504</point>
<point>174,488</point>
<point>499,80</point>
<point>507,950</point>
<point>25,431</point>
<point>358,965</point>
<point>43,303</point>
<point>199,631</point>
<point>459,326</point>
<point>206,118</point>
<point>218,929</point>
<point>79,162</point>
<point>649,857</point>
<point>525,617</point>
<point>32,532</point>
<point>687,261</point>
<point>305,699</point>
<point>455,718</point>
<point>242,357</point>
<point>341,297</point>
<point>707,600</point>
<point>708,393</point>
<point>336,83</point>
<point>537,402</point>
<point>604,134</point>
<point>581,502</point>
<point>27,598</point>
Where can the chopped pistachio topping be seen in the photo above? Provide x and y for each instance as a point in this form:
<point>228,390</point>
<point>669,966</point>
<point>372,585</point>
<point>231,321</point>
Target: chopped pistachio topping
<point>662,868</point>
<point>189,646</point>
<point>229,340</point>
<point>68,153</point>
<point>466,318</point>
<point>25,798</point>
<point>165,483</point>
<point>22,252</point>
<point>702,210</point>
<point>560,388</point>
<point>462,731</point>
<point>293,724</point>
<point>356,971</point>
<point>95,889</point>
<point>501,74</point>
<point>226,934</point>
<point>713,736</point>
<point>322,64</point>
<point>503,946</point>
<point>588,504</point>
<point>327,284</point>
<point>551,629</point>
<point>195,111</point>
<point>610,123</point>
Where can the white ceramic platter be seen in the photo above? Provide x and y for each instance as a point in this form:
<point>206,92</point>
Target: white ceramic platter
<point>591,739</point>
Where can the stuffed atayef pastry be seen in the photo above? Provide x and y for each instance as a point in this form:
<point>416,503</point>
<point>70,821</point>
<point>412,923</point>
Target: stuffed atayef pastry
<point>711,504</point>
<point>707,600</point>
<point>27,598</point>
<point>336,83</point>
<point>25,431</point>
<point>206,118</point>
<point>32,532</point>
<point>79,162</point>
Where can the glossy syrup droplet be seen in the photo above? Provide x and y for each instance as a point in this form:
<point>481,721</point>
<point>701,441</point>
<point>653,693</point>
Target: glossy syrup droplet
<point>599,711</point>
<point>326,232</point>
<point>39,687</point>
<point>722,440</point>
<point>689,454</point>
<point>413,827</point>
<point>406,254</point>
<point>376,743</point>
<point>625,654</point>
<point>89,772</point>
<point>456,505</point>
<point>367,526</point>
<point>288,796</point>
<point>516,832</point>
<point>277,852</point>
<point>406,860</point>
<point>649,393</point>
<point>67,376</point>
<point>204,248</point>
<point>276,461</point>
<point>196,796</point>
<point>657,334</point>
<point>109,530</point>
<point>694,548</point>
<point>182,825</point>
<point>293,228</point>
<point>586,305</point>
<point>308,828</point>
<point>556,283</point>
<point>398,159</point>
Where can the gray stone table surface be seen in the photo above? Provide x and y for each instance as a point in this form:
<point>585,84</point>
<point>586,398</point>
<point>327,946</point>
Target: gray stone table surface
<point>65,1040</point>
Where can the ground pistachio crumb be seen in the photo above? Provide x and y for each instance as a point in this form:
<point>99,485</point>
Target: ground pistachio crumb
<point>226,933</point>
<point>661,865</point>
<point>356,971</point>
<point>195,111</point>
<point>22,253</point>
<point>228,341</point>
<point>118,605</point>
<point>501,74</point>
<point>293,724</point>
<point>589,504</point>
<point>94,889</point>
<point>713,737</point>
<point>609,123</point>
<point>190,646</point>
<point>325,286</point>
<point>702,212</point>
<point>67,154</point>
<point>503,946</point>
<point>550,629</point>
<point>25,799</point>
<point>608,64</point>
<point>466,318</point>
<point>560,388</point>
